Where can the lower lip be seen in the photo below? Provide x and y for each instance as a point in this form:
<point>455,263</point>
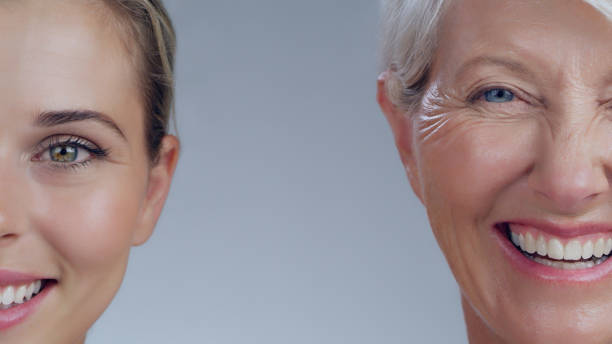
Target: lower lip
<point>17,314</point>
<point>544,272</point>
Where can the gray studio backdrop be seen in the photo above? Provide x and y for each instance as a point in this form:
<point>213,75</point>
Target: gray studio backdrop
<point>290,219</point>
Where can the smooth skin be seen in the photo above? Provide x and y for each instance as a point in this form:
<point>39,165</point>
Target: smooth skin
<point>75,224</point>
<point>474,158</point>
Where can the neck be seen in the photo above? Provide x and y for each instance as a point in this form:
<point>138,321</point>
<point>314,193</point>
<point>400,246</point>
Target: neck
<point>478,332</point>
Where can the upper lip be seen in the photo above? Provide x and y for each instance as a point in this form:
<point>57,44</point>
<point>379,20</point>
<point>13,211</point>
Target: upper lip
<point>11,277</point>
<point>565,230</point>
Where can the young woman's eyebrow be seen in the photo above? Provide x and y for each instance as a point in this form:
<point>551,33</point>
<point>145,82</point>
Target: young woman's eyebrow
<point>53,118</point>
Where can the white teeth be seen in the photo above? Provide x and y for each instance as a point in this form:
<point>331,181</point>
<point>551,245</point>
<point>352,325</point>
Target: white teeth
<point>564,265</point>
<point>555,249</point>
<point>14,295</point>
<point>530,243</point>
<point>587,250</point>
<point>515,238</point>
<point>37,286</point>
<point>541,246</point>
<point>570,253</point>
<point>30,291</point>
<point>20,294</point>
<point>573,250</point>
<point>598,249</point>
<point>8,296</point>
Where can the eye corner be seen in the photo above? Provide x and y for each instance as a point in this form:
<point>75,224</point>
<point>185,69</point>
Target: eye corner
<point>607,104</point>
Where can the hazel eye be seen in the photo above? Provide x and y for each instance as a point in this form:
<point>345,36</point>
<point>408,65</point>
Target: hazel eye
<point>498,95</point>
<point>63,153</point>
<point>68,151</point>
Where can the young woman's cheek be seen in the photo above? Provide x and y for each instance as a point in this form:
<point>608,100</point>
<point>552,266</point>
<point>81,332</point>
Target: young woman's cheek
<point>89,221</point>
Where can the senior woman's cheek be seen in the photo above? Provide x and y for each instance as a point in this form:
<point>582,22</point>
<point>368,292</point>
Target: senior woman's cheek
<point>465,168</point>
<point>473,168</point>
<point>470,160</point>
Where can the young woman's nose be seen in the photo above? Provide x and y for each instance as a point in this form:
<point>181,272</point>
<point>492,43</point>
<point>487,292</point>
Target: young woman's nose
<point>14,202</point>
<point>571,170</point>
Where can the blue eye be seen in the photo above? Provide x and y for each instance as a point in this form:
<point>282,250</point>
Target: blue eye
<point>498,95</point>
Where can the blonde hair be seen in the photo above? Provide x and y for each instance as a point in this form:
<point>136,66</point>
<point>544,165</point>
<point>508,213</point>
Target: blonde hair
<point>150,29</point>
<point>409,39</point>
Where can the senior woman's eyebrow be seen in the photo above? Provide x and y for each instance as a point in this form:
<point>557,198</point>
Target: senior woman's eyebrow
<point>512,65</point>
<point>53,118</point>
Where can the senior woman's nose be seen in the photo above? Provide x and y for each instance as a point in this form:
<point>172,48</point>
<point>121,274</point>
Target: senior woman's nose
<point>570,170</point>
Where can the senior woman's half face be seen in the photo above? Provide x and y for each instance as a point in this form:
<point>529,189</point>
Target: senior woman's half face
<point>513,142</point>
<point>76,188</point>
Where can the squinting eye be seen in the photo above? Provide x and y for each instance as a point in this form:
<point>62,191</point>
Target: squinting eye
<point>498,95</point>
<point>63,153</point>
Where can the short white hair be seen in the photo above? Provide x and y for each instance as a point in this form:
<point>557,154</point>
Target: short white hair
<point>409,39</point>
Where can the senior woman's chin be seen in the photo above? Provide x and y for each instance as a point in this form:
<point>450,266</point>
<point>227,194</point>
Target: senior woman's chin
<point>527,297</point>
<point>509,298</point>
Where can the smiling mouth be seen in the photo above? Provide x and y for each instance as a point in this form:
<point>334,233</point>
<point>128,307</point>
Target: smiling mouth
<point>550,251</point>
<point>15,295</point>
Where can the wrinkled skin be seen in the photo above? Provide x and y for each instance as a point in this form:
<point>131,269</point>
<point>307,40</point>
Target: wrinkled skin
<point>77,223</point>
<point>545,154</point>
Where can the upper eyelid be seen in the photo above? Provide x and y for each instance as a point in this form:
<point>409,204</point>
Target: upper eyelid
<point>69,138</point>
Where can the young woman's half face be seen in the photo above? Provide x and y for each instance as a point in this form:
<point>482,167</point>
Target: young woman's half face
<point>75,182</point>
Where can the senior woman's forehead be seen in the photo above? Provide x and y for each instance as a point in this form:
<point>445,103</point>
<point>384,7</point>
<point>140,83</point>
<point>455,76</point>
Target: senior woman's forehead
<point>573,15</point>
<point>550,34</point>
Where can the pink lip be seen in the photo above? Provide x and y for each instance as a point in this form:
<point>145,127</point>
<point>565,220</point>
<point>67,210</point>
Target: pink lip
<point>543,272</point>
<point>8,277</point>
<point>17,314</point>
<point>563,230</point>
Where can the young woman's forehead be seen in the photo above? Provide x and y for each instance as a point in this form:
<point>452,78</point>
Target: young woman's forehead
<point>61,54</point>
<point>67,38</point>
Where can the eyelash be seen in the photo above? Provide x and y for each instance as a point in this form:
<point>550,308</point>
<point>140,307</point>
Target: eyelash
<point>70,140</point>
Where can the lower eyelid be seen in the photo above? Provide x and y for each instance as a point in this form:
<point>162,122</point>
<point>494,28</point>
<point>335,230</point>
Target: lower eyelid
<point>73,164</point>
<point>68,167</point>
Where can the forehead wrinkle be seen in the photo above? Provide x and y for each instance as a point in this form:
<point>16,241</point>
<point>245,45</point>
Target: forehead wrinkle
<point>582,73</point>
<point>475,35</point>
